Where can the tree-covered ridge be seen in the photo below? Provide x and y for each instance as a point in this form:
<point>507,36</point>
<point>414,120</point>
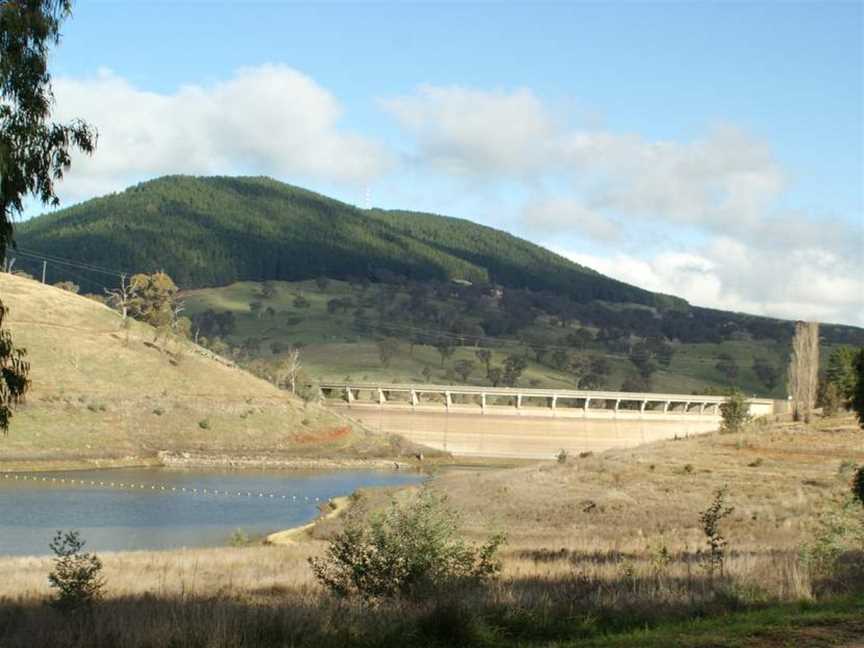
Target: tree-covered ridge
<point>218,230</point>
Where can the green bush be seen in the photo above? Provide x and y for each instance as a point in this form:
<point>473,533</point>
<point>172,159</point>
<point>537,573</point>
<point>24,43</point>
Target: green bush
<point>735,413</point>
<point>411,548</point>
<point>204,424</point>
<point>77,575</point>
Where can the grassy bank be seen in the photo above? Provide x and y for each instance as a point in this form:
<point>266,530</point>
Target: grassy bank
<point>603,550</point>
<point>104,395</point>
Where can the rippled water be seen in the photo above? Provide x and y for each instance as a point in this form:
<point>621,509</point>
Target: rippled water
<point>141,515</point>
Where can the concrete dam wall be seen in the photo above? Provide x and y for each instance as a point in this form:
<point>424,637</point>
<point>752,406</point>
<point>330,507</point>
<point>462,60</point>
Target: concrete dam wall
<point>525,423</point>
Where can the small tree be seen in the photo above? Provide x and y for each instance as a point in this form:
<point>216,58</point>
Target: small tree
<point>411,548</point>
<point>322,282</point>
<point>387,348</point>
<point>804,369</point>
<point>735,412</point>
<point>77,575</point>
<point>710,520</point>
<point>286,372</point>
<point>484,356</point>
<point>445,348</point>
<point>68,286</point>
<point>464,368</point>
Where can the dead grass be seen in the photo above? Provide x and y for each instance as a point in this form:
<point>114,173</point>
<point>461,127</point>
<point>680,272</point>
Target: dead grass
<point>599,547</point>
<point>102,395</point>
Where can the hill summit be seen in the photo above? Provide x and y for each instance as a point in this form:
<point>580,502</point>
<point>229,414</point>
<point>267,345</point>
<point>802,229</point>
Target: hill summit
<point>213,231</point>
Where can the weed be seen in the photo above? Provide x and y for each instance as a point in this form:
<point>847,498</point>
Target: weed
<point>204,424</point>
<point>710,520</point>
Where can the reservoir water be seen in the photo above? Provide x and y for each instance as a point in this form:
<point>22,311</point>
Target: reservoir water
<point>151,510</point>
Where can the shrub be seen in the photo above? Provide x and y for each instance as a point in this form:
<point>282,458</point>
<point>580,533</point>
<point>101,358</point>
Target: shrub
<point>158,411</point>
<point>239,538</point>
<point>858,485</point>
<point>77,575</point>
<point>204,424</point>
<point>838,529</point>
<point>562,456</point>
<point>735,412</point>
<point>710,520</point>
<point>410,548</point>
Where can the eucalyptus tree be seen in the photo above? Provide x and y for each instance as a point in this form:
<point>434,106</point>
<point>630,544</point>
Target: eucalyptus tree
<point>35,151</point>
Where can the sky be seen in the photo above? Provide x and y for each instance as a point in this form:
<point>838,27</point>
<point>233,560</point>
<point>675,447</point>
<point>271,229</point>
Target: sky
<point>714,151</point>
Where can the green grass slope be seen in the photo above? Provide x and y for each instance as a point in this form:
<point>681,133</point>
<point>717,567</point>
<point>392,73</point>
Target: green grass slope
<point>332,348</point>
<point>98,397</point>
<point>218,230</point>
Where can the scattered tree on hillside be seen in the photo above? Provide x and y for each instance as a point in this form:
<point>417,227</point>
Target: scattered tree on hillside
<point>727,366</point>
<point>560,359</point>
<point>34,151</point>
<point>322,282</point>
<point>495,375</point>
<point>301,302</point>
<point>68,286</point>
<point>464,369</point>
<point>154,301</point>
<point>636,383</point>
<point>514,365</point>
<point>255,308</point>
<point>287,371</point>
<point>445,348</point>
<point>591,381</point>
<point>579,339</point>
<point>387,348</point>
<point>768,374</point>
<point>484,356</point>
<point>804,369</point>
<point>426,373</point>
<point>643,359</point>
<point>600,366</point>
<point>268,290</point>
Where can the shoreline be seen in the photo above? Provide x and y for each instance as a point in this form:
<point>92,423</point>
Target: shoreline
<point>291,535</point>
<point>202,460</point>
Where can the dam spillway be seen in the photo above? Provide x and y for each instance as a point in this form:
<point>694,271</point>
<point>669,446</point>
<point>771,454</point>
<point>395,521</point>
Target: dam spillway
<point>527,423</point>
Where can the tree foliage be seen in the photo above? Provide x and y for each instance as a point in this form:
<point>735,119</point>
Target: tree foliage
<point>858,394</point>
<point>410,549</point>
<point>34,151</point>
<point>734,412</point>
<point>77,575</point>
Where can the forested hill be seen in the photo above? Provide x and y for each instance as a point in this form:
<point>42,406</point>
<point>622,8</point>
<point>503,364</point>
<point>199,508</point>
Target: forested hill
<point>214,231</point>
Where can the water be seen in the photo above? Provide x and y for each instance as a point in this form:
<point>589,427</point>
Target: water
<point>131,517</point>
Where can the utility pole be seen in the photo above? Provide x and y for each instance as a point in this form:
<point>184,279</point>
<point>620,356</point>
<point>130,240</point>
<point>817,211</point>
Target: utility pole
<point>44,266</point>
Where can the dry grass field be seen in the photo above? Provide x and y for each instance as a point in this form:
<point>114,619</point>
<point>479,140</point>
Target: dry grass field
<point>603,550</point>
<point>105,395</point>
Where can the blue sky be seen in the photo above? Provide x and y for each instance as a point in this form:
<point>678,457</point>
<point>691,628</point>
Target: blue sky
<point>712,150</point>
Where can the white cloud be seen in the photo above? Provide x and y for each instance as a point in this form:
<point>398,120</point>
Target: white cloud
<point>729,275</point>
<point>269,119</point>
<point>461,130</point>
<point>569,216</point>
<point>723,187</point>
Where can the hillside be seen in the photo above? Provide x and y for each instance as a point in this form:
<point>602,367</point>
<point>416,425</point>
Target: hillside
<point>215,231</point>
<point>336,344</point>
<point>421,279</point>
<point>98,399</point>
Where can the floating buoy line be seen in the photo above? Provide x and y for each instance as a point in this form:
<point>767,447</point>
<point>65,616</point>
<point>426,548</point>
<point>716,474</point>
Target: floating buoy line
<point>160,488</point>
